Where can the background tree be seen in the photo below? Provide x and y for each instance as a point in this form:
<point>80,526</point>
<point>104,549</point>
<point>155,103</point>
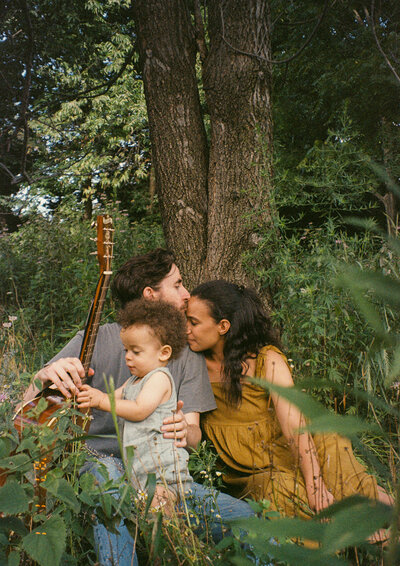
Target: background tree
<point>213,191</point>
<point>342,77</point>
<point>74,118</point>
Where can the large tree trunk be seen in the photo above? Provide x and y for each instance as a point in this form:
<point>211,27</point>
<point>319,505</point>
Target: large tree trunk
<point>167,51</point>
<point>237,86</point>
<point>213,199</point>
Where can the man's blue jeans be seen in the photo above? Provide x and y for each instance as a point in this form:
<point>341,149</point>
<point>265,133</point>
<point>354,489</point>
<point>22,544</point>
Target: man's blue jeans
<point>118,550</point>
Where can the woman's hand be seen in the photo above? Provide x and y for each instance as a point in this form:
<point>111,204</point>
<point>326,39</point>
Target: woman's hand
<point>90,397</point>
<point>318,495</point>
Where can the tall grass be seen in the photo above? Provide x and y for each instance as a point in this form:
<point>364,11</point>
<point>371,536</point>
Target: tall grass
<point>336,302</point>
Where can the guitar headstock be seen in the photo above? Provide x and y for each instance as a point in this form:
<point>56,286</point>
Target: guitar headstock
<point>105,236</point>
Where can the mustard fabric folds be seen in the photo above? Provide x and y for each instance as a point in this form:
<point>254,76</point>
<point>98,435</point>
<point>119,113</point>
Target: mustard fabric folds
<point>258,462</point>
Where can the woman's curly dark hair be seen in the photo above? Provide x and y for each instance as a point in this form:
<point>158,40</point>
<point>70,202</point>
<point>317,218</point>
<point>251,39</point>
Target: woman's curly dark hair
<point>249,331</point>
<point>166,322</point>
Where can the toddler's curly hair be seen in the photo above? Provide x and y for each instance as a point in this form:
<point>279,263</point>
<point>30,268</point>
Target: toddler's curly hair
<point>167,323</point>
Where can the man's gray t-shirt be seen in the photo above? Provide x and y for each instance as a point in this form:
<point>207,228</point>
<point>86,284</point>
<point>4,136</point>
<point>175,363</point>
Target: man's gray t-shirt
<point>189,372</point>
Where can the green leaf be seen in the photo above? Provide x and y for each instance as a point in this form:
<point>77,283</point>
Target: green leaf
<point>38,410</point>
<point>13,558</point>
<point>307,405</point>
<point>107,505</point>
<point>15,463</point>
<point>322,420</point>
<point>8,524</point>
<point>63,491</point>
<point>346,425</point>
<point>87,482</point>
<point>281,528</point>
<point>46,543</point>
<point>5,447</point>
<point>13,498</point>
<point>353,523</point>
<point>295,555</point>
<point>29,444</point>
<point>151,489</point>
<point>395,369</point>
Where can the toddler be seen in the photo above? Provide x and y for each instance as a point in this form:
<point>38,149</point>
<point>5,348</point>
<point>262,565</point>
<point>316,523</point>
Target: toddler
<point>153,332</point>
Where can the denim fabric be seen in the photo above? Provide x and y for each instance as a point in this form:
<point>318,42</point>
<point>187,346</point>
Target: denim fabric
<point>214,509</point>
<point>204,507</point>
<point>111,549</point>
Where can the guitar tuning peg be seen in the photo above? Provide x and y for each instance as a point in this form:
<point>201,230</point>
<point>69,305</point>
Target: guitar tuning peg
<point>93,253</point>
<point>93,239</point>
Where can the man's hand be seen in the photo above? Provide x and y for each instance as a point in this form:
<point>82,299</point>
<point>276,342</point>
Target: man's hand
<point>176,427</point>
<point>65,374</point>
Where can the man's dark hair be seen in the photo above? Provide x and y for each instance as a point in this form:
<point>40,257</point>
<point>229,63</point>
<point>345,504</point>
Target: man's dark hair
<point>166,322</point>
<point>141,271</point>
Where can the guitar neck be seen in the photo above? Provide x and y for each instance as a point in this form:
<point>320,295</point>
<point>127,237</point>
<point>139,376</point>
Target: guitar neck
<point>93,322</point>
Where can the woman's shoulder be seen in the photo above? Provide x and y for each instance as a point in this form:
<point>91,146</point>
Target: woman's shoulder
<point>271,353</point>
<point>268,349</point>
<point>269,358</point>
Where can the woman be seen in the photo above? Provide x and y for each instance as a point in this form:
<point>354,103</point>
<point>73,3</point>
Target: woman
<point>254,432</point>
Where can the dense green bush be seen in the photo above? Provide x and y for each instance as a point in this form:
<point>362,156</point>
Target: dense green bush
<point>48,275</point>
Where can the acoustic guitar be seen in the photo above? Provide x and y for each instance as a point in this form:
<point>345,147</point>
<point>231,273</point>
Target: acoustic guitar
<point>27,413</point>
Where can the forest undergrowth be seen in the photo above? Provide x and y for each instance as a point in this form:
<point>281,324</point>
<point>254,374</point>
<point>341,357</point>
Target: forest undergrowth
<point>336,303</point>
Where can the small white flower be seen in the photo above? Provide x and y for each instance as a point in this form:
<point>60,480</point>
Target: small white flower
<point>12,318</point>
<point>7,324</point>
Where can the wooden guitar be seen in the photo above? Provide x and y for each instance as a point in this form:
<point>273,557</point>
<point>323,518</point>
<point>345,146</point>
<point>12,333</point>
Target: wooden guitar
<point>27,414</point>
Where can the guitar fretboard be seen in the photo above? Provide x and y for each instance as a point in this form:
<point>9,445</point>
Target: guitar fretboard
<point>93,324</point>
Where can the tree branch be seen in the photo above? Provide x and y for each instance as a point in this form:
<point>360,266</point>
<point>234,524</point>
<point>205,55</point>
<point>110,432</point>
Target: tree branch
<point>14,178</point>
<point>27,88</point>
<point>378,43</point>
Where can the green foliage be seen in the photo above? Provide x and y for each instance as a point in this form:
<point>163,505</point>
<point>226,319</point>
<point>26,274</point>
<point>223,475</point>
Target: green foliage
<point>335,288</point>
<point>46,543</point>
<point>203,466</point>
<point>87,134</point>
<point>29,534</point>
<point>43,265</point>
<point>340,67</point>
<point>351,522</point>
<point>330,181</point>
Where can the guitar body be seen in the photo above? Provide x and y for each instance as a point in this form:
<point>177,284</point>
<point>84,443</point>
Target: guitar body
<point>24,416</point>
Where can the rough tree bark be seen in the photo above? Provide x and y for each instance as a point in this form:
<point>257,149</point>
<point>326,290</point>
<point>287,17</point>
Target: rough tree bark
<point>167,52</point>
<point>238,97</point>
<point>213,193</point>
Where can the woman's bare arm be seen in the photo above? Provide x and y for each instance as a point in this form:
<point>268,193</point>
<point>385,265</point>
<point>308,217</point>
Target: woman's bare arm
<point>302,444</point>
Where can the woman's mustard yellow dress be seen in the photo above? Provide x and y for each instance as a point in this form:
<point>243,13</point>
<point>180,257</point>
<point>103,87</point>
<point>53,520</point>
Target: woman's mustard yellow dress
<point>259,463</point>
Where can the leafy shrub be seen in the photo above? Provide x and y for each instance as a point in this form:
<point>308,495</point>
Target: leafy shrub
<point>48,274</point>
